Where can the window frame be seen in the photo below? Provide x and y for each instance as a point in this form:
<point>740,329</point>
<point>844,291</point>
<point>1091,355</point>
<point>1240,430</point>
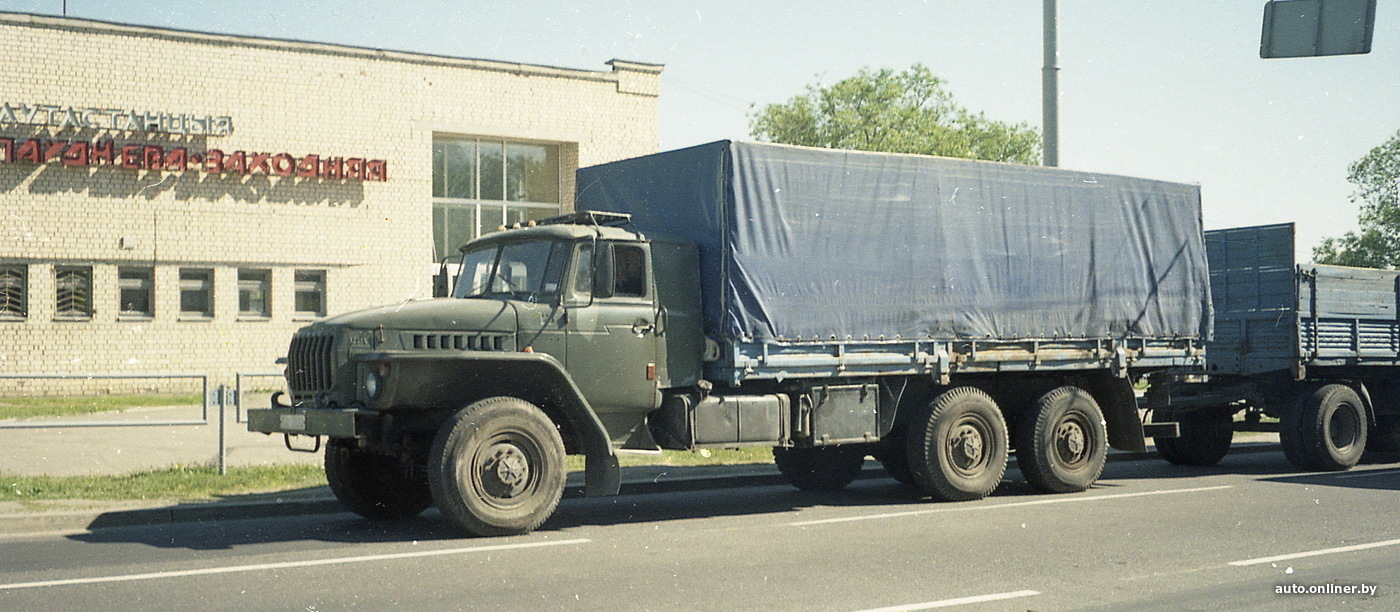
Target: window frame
<point>16,309</point>
<point>318,285</point>
<point>252,281</point>
<point>124,283</point>
<point>206,288</point>
<point>79,296</point>
<point>503,211</point>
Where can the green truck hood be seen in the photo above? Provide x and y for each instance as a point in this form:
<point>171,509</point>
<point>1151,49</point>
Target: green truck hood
<point>436,314</point>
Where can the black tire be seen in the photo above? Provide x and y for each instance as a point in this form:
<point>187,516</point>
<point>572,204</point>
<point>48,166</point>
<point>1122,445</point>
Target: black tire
<point>1205,437</point>
<point>824,468</point>
<point>1324,430</point>
<point>497,467</point>
<point>1062,444</point>
<point>372,485</point>
<point>957,447</point>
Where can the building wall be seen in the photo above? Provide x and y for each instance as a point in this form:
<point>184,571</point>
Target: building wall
<point>372,238</point>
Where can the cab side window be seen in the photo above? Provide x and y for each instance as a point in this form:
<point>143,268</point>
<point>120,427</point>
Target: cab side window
<point>629,271</point>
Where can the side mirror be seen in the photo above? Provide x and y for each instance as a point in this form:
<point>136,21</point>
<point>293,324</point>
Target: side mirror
<point>442,282</point>
<point>602,271</point>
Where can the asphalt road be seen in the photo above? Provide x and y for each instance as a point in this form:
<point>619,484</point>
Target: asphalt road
<point>1150,536</point>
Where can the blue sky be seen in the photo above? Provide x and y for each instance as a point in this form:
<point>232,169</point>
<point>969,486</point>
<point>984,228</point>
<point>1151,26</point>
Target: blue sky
<point>1171,90</point>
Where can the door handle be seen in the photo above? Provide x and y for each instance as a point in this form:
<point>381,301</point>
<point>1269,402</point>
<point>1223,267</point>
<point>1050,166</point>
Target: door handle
<point>643,327</point>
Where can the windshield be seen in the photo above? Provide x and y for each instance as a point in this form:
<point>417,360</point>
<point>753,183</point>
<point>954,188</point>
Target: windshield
<point>529,271</point>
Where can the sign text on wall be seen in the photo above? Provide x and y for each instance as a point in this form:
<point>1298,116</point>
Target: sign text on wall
<point>51,115</point>
<point>139,156</point>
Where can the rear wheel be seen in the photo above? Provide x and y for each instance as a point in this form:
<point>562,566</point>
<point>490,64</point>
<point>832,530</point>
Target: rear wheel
<point>497,467</point>
<point>372,485</point>
<point>1061,446</point>
<point>957,448</point>
<point>1205,437</point>
<point>823,468</point>
<point>1324,430</point>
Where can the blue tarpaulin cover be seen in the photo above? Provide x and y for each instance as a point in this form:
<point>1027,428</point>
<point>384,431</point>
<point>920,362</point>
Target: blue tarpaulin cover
<point>799,243</point>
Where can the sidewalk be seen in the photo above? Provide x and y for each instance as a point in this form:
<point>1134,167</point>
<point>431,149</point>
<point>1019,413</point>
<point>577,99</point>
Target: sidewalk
<point>128,446</point>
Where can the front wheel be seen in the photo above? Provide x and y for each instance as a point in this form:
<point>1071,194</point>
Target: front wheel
<point>1324,430</point>
<point>372,485</point>
<point>957,448</point>
<point>497,467</point>
<point>1061,445</point>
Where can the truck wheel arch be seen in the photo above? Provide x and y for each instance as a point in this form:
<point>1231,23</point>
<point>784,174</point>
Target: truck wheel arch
<point>434,381</point>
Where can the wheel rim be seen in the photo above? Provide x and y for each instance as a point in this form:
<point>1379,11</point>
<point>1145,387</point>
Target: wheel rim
<point>1343,428</point>
<point>504,469</point>
<point>1072,443</point>
<point>966,449</point>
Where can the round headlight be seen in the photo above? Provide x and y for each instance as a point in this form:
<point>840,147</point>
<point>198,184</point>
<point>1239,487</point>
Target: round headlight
<point>373,383</point>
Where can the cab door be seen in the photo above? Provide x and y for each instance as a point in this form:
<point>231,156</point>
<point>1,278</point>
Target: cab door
<point>611,332</point>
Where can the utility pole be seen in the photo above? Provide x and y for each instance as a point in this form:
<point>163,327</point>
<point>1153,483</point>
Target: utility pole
<point>1050,90</point>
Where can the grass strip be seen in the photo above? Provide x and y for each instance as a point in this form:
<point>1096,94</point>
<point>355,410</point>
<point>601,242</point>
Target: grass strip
<point>30,407</point>
<point>195,483</point>
<point>183,483</point>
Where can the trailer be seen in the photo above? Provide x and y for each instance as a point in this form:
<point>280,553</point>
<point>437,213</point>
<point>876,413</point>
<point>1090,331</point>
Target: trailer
<point>1309,351</point>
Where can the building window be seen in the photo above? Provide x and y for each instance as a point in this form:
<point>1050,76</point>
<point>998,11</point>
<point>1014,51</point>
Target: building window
<point>136,291</point>
<point>14,292</point>
<point>310,290</point>
<point>481,184</point>
<point>74,291</point>
<point>197,293</point>
<point>255,293</point>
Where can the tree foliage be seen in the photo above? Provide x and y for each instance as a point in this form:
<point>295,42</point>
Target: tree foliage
<point>906,112</point>
<point>1377,244</point>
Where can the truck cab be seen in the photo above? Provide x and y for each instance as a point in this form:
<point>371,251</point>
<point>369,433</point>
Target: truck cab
<point>556,339</point>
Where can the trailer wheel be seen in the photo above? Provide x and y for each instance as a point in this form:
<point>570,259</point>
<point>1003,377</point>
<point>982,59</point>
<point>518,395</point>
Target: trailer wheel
<point>1324,430</point>
<point>957,448</point>
<point>373,485</point>
<point>497,467</point>
<point>823,468</point>
<point>1061,445</point>
<point>1205,436</point>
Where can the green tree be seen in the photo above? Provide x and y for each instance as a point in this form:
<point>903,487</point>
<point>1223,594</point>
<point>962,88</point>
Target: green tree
<point>1377,244</point>
<point>906,112</point>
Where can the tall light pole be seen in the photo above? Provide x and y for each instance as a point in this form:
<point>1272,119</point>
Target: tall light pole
<point>1050,90</point>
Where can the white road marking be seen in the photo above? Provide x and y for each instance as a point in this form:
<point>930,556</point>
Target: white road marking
<point>1039,502</point>
<point>945,603</point>
<point>1370,473</point>
<point>284,565</point>
<point>1314,553</point>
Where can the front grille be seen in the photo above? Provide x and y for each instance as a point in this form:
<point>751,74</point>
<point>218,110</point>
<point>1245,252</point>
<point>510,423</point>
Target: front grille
<point>309,364</point>
<point>460,342</point>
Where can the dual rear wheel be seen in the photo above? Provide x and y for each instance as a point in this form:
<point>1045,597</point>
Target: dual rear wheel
<point>957,447</point>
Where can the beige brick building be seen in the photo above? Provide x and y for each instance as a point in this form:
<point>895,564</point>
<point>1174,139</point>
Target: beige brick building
<point>182,201</point>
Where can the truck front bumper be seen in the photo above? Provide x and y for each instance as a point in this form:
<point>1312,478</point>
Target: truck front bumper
<point>299,421</point>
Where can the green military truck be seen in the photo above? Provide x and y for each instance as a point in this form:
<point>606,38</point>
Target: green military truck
<point>834,305</point>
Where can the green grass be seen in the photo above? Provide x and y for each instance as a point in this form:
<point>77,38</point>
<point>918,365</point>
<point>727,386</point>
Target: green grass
<point>30,407</point>
<point>177,483</point>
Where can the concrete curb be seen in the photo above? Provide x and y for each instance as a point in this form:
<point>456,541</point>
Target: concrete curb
<point>641,481</point>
